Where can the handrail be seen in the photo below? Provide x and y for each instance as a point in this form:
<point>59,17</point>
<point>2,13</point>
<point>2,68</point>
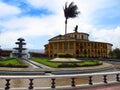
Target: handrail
<point>58,76</point>
<point>54,77</point>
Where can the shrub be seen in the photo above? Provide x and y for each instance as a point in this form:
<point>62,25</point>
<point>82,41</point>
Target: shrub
<point>65,56</point>
<point>63,65</point>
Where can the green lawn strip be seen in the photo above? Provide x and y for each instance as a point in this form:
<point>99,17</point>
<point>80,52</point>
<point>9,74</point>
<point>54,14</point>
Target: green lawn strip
<point>12,62</point>
<point>46,62</point>
<point>67,64</point>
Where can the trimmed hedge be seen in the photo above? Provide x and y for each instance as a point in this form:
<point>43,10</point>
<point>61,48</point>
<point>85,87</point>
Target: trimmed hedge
<point>64,65</point>
<point>81,64</point>
<point>65,56</point>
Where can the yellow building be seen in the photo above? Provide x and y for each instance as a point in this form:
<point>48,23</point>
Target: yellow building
<point>78,45</point>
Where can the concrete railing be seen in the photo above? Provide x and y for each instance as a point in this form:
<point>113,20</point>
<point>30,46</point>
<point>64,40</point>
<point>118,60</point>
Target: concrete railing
<point>53,79</point>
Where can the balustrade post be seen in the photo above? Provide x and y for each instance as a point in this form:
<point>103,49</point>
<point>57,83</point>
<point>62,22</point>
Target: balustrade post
<point>105,79</point>
<point>117,78</point>
<point>31,84</point>
<point>73,82</point>
<point>53,83</point>
<point>90,80</point>
<point>7,84</point>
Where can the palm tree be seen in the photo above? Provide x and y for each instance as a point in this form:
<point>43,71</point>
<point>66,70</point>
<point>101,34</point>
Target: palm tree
<point>70,12</point>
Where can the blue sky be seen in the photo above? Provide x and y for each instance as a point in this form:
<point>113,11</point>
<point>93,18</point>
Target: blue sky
<point>39,20</point>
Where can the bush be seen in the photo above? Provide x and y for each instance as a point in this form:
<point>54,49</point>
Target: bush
<point>65,56</point>
<point>115,53</point>
<point>63,65</point>
<point>91,63</point>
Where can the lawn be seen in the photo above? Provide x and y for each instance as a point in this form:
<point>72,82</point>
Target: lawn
<point>12,62</point>
<point>67,64</point>
<point>46,62</point>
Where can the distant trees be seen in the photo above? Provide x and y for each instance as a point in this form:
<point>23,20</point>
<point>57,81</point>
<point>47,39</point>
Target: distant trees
<point>115,53</point>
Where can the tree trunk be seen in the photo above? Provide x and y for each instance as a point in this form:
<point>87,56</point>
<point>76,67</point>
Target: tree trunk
<point>65,26</point>
<point>65,47</point>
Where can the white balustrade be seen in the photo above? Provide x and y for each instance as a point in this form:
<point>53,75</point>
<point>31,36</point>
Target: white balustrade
<point>54,77</point>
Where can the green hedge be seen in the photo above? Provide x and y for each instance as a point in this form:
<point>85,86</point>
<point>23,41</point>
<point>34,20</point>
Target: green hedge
<point>65,56</point>
<point>63,65</point>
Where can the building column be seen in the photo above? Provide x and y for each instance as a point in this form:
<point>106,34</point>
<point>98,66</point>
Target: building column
<point>49,50</point>
<point>74,48</point>
<point>63,47</point>
<point>68,47</point>
<point>57,47</point>
<point>52,49</point>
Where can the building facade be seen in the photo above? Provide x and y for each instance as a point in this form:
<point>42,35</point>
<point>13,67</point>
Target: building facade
<point>78,45</point>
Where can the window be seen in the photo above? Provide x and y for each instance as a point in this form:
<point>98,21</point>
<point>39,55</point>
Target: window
<point>60,45</point>
<point>71,45</point>
<point>82,37</point>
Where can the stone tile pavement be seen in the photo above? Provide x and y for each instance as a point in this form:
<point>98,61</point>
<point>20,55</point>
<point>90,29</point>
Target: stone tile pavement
<point>115,86</point>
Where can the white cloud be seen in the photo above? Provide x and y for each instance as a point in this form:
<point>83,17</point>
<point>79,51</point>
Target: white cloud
<point>111,36</point>
<point>53,5</point>
<point>27,26</point>
<point>8,10</point>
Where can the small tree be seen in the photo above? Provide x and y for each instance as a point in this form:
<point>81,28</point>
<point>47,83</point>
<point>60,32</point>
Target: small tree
<point>111,54</point>
<point>115,53</point>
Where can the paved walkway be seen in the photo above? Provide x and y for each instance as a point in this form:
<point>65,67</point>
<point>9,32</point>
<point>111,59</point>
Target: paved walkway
<point>38,64</point>
<point>115,86</point>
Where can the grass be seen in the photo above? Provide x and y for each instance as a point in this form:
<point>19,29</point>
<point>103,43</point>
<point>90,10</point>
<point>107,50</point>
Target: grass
<point>46,62</point>
<point>67,64</point>
<point>12,62</point>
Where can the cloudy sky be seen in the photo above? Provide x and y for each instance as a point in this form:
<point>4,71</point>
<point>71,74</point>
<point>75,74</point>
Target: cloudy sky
<point>39,20</point>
